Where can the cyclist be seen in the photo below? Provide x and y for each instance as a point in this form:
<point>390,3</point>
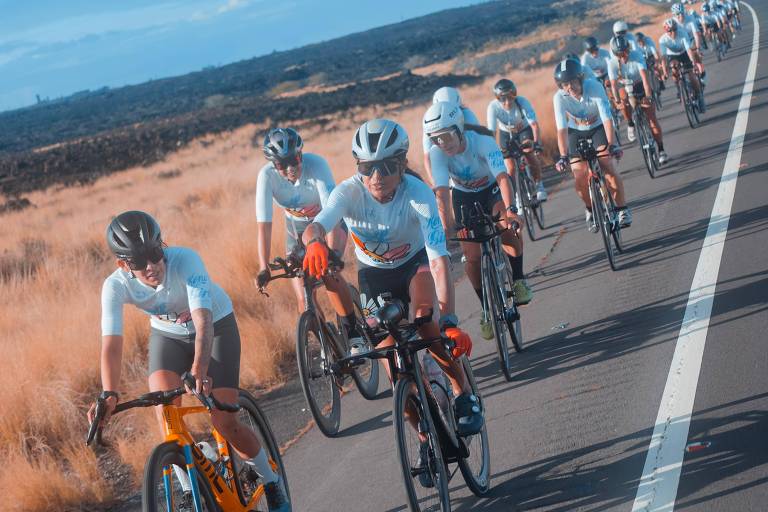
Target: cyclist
<point>647,47</point>
<point>596,59</point>
<point>400,247</point>
<point>300,183</point>
<point>620,28</point>
<point>468,167</point>
<point>582,110</point>
<point>675,46</point>
<point>711,24</point>
<point>451,95</point>
<point>193,328</point>
<point>688,23</point>
<point>513,121</point>
<point>627,69</point>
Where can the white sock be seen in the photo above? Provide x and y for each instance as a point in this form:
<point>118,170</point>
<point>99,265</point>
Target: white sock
<point>183,477</point>
<point>261,463</point>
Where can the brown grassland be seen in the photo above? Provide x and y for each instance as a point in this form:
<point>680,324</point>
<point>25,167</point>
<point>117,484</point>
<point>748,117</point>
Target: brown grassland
<point>53,261</point>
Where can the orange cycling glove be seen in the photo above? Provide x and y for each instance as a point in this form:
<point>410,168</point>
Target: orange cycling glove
<point>462,341</point>
<point>316,258</point>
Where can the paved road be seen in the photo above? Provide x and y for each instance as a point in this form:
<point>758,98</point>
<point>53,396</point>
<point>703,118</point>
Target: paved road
<point>572,431</point>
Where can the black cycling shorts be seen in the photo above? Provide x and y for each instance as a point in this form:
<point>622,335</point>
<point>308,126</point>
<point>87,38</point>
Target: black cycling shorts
<point>638,90</point>
<point>505,138</point>
<point>488,197</point>
<point>597,134</point>
<point>174,352</point>
<point>713,27</point>
<point>396,281</point>
<point>683,59</point>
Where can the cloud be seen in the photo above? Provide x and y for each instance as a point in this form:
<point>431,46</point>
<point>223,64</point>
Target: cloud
<point>232,5</point>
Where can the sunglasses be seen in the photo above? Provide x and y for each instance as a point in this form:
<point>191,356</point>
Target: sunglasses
<point>506,97</point>
<point>386,167</point>
<point>153,254</point>
<point>283,165</point>
<point>444,138</point>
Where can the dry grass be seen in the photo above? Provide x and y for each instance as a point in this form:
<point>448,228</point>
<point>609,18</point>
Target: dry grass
<point>53,261</point>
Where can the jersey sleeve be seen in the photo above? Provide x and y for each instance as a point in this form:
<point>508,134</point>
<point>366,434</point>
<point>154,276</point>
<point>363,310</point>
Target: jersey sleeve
<point>439,162</point>
<point>490,117</point>
<point>527,109</point>
<point>613,69</point>
<point>492,155</point>
<point>263,196</point>
<point>196,280</point>
<point>424,206</point>
<point>325,183</point>
<point>426,143</point>
<point>336,206</point>
<point>112,301</point>
<point>559,107</point>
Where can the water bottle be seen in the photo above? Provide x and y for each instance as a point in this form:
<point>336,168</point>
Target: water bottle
<point>210,454</point>
<point>436,379</point>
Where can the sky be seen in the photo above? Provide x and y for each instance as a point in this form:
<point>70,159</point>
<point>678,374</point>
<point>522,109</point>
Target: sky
<point>54,48</point>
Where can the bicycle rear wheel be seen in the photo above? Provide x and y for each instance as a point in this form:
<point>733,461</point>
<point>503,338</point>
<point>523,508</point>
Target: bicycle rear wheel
<point>161,490</point>
<point>248,482</point>
<point>495,311</point>
<point>366,376</point>
<point>319,385</point>
<point>647,144</point>
<point>476,467</point>
<point>426,485</point>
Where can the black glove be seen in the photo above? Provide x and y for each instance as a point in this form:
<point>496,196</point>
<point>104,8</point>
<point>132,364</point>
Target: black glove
<point>537,149</point>
<point>562,164</point>
<point>616,151</point>
<point>263,278</point>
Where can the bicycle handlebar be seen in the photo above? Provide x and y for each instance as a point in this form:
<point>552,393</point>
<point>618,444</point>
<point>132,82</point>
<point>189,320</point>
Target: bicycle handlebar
<point>153,398</point>
<point>292,266</point>
<point>485,224</point>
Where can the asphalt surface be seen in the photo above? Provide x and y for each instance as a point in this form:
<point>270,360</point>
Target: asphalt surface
<point>572,430</point>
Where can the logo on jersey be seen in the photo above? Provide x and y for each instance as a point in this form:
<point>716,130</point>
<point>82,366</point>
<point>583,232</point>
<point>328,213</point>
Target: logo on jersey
<point>307,212</point>
<point>380,251</point>
<point>583,119</point>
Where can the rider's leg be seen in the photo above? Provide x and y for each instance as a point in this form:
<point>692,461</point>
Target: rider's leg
<point>613,180</point>
<point>581,182</point>
<point>298,292</point>
<point>472,265</point>
<point>650,112</point>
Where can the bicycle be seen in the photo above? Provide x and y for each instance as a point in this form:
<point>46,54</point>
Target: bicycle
<point>604,209</point>
<point>688,97</point>
<point>436,420</point>
<point>533,209</point>
<point>498,298</point>
<point>645,138</point>
<point>319,343</point>
<point>225,484</point>
<point>650,64</point>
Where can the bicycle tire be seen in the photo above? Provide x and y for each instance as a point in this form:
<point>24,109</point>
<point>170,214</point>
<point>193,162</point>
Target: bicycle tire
<point>478,480</point>
<point>153,488</point>
<point>366,376</point>
<point>496,313</point>
<point>416,494</point>
<point>604,226</point>
<point>688,105</point>
<point>647,143</point>
<point>252,416</point>
<point>310,357</point>
<point>525,196</point>
<point>513,327</point>
<point>616,232</point>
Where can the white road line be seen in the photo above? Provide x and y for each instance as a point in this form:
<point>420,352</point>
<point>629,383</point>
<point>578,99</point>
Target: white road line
<point>661,474</point>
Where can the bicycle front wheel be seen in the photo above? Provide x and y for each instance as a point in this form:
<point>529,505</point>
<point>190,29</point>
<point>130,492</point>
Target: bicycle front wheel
<point>318,383</point>
<point>162,491</point>
<point>248,482</point>
<point>528,197</point>
<point>366,376</point>
<point>476,467</point>
<point>600,211</point>
<point>425,474</point>
<point>495,312</point>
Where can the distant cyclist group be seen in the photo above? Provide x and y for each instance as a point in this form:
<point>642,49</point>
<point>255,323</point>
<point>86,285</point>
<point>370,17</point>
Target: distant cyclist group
<point>485,184</point>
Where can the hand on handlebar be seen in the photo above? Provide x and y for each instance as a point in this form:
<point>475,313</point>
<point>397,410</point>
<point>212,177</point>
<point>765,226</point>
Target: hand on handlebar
<point>316,258</point>
<point>262,279</point>
<point>562,164</point>
<point>616,151</point>
<point>110,403</point>
<point>197,381</point>
<point>514,221</point>
<point>462,342</point>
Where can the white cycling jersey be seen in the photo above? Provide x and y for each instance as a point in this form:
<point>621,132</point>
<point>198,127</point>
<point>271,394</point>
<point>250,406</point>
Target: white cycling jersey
<point>627,74</point>
<point>678,45</point>
<point>386,235</point>
<point>584,114</point>
<point>471,171</point>
<point>469,118</point>
<point>512,121</point>
<point>597,64</point>
<point>649,50</point>
<point>302,200</point>
<point>689,24</point>
<point>185,288</point>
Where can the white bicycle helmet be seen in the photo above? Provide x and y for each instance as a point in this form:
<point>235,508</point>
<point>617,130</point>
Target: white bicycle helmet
<point>620,28</point>
<point>443,115</point>
<point>379,139</point>
<point>449,94</point>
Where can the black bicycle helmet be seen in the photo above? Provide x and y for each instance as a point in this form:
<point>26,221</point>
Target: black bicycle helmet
<point>590,44</point>
<point>567,70</point>
<point>282,144</point>
<point>505,86</point>
<point>619,44</point>
<point>133,234</point>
